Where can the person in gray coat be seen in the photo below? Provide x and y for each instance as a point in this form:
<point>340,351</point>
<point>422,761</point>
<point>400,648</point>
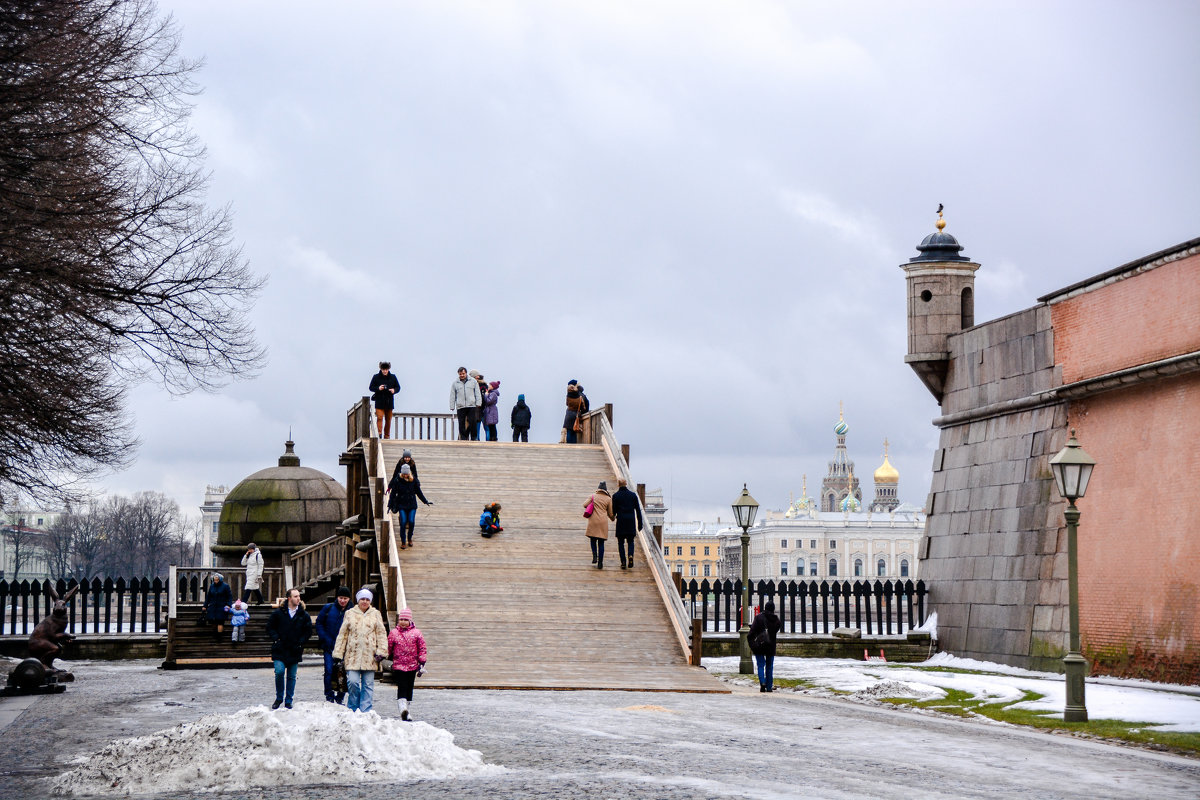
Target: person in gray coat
<point>464,400</point>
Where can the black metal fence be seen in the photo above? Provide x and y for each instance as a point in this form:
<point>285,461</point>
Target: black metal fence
<point>136,605</point>
<point>811,607</point>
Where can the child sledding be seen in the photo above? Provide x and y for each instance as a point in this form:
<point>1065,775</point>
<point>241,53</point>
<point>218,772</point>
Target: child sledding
<point>489,520</point>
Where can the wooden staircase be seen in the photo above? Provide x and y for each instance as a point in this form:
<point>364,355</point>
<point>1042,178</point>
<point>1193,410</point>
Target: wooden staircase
<point>526,609</point>
<point>195,646</point>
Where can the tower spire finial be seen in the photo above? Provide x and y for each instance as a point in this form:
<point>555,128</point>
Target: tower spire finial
<point>941,223</point>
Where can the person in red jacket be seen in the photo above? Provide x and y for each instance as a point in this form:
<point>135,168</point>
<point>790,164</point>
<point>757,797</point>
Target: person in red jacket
<point>406,647</point>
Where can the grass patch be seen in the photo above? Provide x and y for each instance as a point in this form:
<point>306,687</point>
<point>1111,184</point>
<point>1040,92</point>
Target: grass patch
<point>794,683</point>
<point>963,704</point>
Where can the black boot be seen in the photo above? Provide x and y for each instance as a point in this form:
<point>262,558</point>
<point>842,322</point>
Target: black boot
<point>600,563</point>
<point>623,565</point>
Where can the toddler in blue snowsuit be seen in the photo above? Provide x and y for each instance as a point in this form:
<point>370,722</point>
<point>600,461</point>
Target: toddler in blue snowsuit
<point>239,615</point>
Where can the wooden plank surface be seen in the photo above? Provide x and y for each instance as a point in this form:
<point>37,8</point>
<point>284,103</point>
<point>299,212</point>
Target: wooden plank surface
<point>526,609</point>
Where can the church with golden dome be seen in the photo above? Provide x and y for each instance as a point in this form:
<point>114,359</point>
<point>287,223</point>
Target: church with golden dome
<point>840,490</point>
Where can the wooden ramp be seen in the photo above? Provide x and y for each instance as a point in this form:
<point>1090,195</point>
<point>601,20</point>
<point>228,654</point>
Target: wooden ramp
<point>526,609</point>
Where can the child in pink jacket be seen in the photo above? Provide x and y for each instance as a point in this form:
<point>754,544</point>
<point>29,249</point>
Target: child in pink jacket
<point>406,647</point>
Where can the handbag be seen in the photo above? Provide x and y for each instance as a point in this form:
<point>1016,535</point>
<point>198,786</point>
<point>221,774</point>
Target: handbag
<point>337,678</point>
<point>591,507</point>
<point>578,426</point>
<point>762,641</point>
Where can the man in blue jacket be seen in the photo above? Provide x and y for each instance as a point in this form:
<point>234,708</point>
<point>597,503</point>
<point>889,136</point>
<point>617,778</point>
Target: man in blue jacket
<point>329,622</point>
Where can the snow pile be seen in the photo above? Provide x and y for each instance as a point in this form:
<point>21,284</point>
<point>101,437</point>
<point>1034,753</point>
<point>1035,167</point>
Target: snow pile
<point>890,688</point>
<point>312,743</point>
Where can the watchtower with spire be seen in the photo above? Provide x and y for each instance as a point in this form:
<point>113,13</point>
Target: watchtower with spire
<point>941,302</point>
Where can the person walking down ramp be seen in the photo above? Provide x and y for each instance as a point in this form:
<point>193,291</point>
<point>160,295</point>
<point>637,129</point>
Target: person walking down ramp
<point>404,490</point>
<point>289,628</point>
<point>521,418</point>
<point>406,648</point>
<point>489,520</point>
<point>598,510</point>
<point>762,636</point>
<point>628,511</point>
<point>361,644</point>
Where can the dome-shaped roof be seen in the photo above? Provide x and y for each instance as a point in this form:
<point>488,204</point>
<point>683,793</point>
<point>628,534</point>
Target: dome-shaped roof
<point>850,503</point>
<point>841,427</point>
<point>281,509</point>
<point>939,246</point>
<point>886,472</point>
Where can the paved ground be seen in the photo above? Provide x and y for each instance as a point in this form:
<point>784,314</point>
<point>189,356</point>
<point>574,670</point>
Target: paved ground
<point>597,745</point>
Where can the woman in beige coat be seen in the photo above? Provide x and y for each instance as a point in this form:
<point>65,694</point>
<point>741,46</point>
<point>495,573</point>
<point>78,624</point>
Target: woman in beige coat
<point>597,527</point>
<point>361,644</point>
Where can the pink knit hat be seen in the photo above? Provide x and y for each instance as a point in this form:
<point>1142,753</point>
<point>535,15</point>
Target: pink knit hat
<point>405,613</point>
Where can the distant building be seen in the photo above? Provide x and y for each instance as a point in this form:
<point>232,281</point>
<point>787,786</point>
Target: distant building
<point>655,508</point>
<point>23,535</point>
<point>210,518</point>
<point>693,549</point>
<point>806,541</point>
<point>1116,357</point>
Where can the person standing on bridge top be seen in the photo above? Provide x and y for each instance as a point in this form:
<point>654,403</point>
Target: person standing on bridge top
<point>383,392</point>
<point>577,406</point>
<point>464,399</point>
<point>598,518</point>
<point>491,412</point>
<point>628,510</point>
<point>522,418</point>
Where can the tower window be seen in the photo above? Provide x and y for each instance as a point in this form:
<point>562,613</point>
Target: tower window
<point>926,295</point>
<point>967,308</point>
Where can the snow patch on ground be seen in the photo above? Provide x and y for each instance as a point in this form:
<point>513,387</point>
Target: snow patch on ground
<point>311,743</point>
<point>890,688</point>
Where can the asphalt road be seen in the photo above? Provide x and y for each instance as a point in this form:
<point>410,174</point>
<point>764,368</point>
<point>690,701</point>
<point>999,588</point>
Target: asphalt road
<point>600,745</point>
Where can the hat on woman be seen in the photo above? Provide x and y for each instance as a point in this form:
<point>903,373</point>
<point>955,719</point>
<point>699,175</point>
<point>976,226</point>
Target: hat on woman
<point>603,487</point>
<point>405,469</point>
<point>475,374</point>
<point>216,576</point>
<point>405,613</point>
<point>494,385</point>
<point>364,592</point>
<point>406,454</point>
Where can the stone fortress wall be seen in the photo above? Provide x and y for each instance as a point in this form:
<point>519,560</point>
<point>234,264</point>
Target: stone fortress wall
<point>1116,357</point>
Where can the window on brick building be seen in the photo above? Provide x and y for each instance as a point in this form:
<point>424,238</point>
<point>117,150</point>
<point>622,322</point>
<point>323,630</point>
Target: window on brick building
<point>783,565</point>
<point>833,544</point>
<point>705,549</point>
<point>812,568</point>
<point>783,544</point>
<point>693,550</point>
<point>707,570</point>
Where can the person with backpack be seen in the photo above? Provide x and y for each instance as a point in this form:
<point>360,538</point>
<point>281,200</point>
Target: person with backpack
<point>404,490</point>
<point>522,418</point>
<point>762,635</point>
<point>489,520</point>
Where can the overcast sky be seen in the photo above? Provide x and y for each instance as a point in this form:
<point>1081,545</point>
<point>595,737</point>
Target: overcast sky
<point>697,209</point>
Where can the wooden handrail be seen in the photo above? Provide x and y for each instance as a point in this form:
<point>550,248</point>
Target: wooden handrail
<point>599,422</point>
<point>319,561</point>
<point>425,427</point>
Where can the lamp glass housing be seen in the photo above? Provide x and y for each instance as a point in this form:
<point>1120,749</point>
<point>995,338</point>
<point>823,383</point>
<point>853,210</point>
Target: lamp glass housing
<point>1072,468</point>
<point>744,509</point>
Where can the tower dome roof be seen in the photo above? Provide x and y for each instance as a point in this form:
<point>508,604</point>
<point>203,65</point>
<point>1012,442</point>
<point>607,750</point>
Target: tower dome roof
<point>886,472</point>
<point>939,246</point>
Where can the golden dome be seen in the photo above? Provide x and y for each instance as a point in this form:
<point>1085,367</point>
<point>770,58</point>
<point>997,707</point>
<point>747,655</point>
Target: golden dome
<point>886,472</point>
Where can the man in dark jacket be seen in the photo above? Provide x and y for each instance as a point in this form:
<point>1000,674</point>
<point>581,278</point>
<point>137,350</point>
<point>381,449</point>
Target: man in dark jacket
<point>329,622</point>
<point>522,418</point>
<point>762,639</point>
<point>383,393</point>
<point>289,628</point>
<point>625,505</point>
<point>216,599</point>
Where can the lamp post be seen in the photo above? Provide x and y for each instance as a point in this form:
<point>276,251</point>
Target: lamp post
<point>744,509</point>
<point>1072,471</point>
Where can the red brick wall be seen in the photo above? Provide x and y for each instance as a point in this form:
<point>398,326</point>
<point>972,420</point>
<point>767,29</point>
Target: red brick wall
<point>1139,560</point>
<point>1147,317</point>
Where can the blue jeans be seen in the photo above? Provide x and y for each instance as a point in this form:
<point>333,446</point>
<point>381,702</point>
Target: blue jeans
<point>330,695</point>
<point>764,662</point>
<point>290,670</point>
<point>361,683</point>
<point>404,518</point>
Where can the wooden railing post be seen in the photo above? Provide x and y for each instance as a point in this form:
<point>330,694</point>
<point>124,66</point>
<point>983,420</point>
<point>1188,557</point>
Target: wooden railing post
<point>697,642</point>
<point>625,453</point>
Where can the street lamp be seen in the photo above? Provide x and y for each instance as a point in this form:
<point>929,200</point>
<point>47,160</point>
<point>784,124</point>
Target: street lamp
<point>1072,471</point>
<point>744,509</point>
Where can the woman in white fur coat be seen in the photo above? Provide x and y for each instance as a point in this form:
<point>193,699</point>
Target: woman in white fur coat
<point>361,644</point>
